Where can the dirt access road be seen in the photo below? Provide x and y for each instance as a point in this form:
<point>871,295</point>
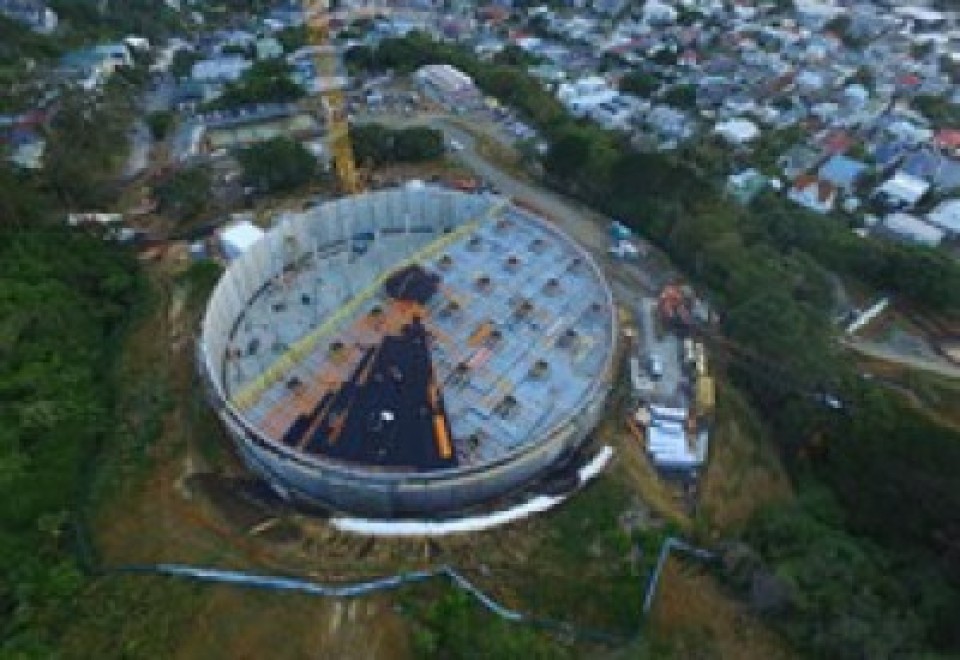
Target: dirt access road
<point>887,354</point>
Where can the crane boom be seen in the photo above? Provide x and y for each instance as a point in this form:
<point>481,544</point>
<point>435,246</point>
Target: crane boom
<point>338,128</point>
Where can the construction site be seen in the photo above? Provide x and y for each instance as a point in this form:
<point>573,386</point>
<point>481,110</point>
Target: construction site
<point>672,385</point>
<point>413,351</point>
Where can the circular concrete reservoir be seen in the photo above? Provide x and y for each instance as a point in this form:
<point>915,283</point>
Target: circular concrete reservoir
<point>408,352</point>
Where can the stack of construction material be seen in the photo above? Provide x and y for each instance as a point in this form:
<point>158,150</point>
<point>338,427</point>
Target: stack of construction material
<point>667,439</point>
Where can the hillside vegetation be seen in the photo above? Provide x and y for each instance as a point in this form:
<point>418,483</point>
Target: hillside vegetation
<point>65,299</point>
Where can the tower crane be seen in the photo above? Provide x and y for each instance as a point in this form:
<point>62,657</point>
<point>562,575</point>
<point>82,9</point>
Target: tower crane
<point>317,18</point>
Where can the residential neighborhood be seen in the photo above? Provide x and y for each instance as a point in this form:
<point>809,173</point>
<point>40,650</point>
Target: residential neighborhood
<point>860,100</point>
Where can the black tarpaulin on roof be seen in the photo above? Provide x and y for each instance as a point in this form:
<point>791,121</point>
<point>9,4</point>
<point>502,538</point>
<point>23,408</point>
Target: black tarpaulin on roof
<point>412,283</point>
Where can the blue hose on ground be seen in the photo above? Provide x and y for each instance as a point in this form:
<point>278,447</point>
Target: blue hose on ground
<point>353,590</point>
<point>279,583</point>
<point>669,544</point>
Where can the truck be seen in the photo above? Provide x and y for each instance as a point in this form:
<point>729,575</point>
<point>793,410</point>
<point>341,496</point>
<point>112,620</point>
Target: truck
<point>624,250</point>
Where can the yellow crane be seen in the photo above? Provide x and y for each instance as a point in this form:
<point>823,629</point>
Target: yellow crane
<point>317,16</point>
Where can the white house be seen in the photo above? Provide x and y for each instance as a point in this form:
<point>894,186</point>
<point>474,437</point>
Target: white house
<point>35,14</point>
<point>737,131</point>
<point>946,216</point>
<point>220,69</point>
<point>447,84</point>
<point>237,238</point>
<point>659,13</point>
<point>582,96</point>
<point>912,229</point>
<point>902,190</point>
<point>813,193</point>
<point>90,67</point>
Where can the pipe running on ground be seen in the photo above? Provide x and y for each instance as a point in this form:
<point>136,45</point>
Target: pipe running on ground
<point>389,583</point>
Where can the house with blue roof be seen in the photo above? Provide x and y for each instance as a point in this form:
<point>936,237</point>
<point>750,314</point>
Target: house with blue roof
<point>888,153</point>
<point>935,166</point>
<point>90,67</point>
<point>26,149</point>
<point>842,171</point>
<point>35,14</point>
<point>923,163</point>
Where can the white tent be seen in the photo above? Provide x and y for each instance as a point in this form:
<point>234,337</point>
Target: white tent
<point>237,238</point>
<point>905,188</point>
<point>737,131</point>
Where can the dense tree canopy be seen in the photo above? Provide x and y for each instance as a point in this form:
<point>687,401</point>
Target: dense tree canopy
<point>185,195</point>
<point>639,83</point>
<point>160,124</point>
<point>86,148</point>
<point>113,19</point>
<point>841,596</point>
<point>681,96</point>
<point>277,165</point>
<point>375,144</point>
<point>267,81</point>
<point>63,299</point>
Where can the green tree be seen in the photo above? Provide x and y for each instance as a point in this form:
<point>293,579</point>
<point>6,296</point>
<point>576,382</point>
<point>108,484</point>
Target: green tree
<point>293,38</point>
<point>64,298</point>
<point>86,147</point>
<point>681,96</point>
<point>375,144</point>
<point>864,76</point>
<point>418,144</point>
<point>842,601</point>
<point>937,109</point>
<point>185,195</point>
<point>665,57</point>
<point>22,204</point>
<point>183,61</point>
<point>639,83</point>
<point>568,153</point>
<point>160,124</point>
<point>360,58</point>
<point>267,81</point>
<point>277,165</point>
<point>514,55</point>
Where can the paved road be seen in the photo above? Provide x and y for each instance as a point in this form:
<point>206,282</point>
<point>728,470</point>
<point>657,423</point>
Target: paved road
<point>160,97</point>
<point>140,143</point>
<point>880,352</point>
<point>667,348</point>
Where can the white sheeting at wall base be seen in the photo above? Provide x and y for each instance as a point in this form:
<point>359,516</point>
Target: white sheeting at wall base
<point>473,523</point>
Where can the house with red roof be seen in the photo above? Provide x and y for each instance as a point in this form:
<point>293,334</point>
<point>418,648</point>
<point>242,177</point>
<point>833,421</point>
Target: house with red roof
<point>947,139</point>
<point>835,142</point>
<point>813,193</point>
